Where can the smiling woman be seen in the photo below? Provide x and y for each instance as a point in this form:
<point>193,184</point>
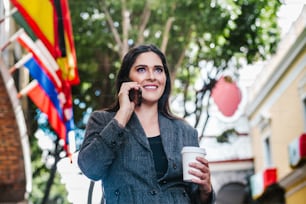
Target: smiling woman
<point>135,150</point>
<point>149,74</point>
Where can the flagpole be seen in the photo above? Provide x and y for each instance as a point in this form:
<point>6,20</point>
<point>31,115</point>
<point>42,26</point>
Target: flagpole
<point>11,39</point>
<point>8,15</point>
<point>27,88</point>
<point>21,62</point>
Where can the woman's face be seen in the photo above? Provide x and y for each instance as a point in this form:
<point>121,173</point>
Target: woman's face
<point>149,72</point>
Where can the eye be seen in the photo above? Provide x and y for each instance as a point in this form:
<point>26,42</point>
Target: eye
<point>141,69</point>
<point>159,69</point>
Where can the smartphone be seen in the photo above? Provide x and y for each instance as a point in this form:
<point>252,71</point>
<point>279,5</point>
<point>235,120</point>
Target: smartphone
<point>135,95</point>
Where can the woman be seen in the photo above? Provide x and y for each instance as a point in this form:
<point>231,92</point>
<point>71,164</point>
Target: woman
<point>134,146</point>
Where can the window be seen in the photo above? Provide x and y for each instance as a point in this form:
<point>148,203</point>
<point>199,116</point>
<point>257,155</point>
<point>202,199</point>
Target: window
<point>302,92</point>
<point>267,152</point>
<point>304,105</point>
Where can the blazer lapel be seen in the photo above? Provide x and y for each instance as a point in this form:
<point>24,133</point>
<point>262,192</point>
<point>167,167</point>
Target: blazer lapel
<point>137,131</point>
<point>168,135</point>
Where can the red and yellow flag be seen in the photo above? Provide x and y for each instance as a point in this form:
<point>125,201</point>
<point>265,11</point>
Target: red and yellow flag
<point>51,23</point>
<point>68,60</point>
<point>41,17</point>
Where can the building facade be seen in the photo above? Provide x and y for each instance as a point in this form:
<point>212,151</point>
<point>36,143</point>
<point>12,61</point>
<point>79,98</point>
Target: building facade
<point>15,158</point>
<point>277,114</point>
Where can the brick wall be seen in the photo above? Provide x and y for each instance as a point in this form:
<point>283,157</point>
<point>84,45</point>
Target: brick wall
<point>12,168</point>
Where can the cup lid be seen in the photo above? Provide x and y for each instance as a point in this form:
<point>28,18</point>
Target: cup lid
<point>194,149</point>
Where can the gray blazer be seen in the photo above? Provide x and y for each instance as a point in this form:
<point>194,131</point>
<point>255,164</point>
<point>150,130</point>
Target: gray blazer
<point>123,160</point>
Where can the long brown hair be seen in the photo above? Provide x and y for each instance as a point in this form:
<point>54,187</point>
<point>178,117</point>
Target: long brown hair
<point>123,76</point>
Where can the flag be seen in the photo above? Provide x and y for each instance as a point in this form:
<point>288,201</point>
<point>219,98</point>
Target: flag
<point>41,99</point>
<point>37,73</point>
<point>67,60</point>
<point>60,98</point>
<point>54,53</point>
<point>28,39</point>
<point>23,24</point>
<point>41,17</point>
<point>58,11</point>
<point>42,55</point>
<point>48,64</point>
<point>51,69</point>
<point>53,105</point>
<point>68,106</point>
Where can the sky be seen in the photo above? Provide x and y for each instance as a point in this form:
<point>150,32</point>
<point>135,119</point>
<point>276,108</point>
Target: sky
<point>288,13</point>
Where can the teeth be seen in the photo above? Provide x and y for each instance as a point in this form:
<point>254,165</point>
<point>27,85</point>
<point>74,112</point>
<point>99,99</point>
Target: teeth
<point>150,87</point>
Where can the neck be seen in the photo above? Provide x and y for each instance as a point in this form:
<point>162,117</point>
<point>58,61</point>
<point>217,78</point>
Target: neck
<point>146,112</point>
<point>148,117</point>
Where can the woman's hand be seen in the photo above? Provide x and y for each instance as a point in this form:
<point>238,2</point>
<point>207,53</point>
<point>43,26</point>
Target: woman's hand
<point>202,172</point>
<point>127,107</point>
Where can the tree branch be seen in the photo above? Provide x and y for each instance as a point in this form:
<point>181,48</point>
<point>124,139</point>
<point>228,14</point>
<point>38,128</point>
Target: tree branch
<point>166,34</point>
<point>182,55</point>
<point>111,24</point>
<point>145,16</point>
<point>125,28</point>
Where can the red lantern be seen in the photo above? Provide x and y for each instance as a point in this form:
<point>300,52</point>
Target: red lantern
<point>226,95</point>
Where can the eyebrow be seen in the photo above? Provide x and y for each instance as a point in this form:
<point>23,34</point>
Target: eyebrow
<point>144,65</point>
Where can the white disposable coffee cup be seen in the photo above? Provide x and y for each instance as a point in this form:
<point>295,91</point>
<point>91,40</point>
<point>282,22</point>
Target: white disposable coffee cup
<point>189,154</point>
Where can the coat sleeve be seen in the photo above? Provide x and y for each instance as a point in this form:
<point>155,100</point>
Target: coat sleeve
<point>195,196</point>
<point>103,137</point>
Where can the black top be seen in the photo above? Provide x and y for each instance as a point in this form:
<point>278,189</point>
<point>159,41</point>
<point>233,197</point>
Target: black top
<point>159,156</point>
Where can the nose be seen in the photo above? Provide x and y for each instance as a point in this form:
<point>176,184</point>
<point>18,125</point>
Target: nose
<point>151,75</point>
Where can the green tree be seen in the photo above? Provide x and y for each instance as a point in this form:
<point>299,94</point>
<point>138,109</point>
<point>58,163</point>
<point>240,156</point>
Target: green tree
<point>218,33</point>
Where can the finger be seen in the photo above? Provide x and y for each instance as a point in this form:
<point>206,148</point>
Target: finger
<point>201,178</point>
<point>200,166</point>
<point>196,172</point>
<point>130,85</point>
<point>126,87</point>
<point>202,160</point>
